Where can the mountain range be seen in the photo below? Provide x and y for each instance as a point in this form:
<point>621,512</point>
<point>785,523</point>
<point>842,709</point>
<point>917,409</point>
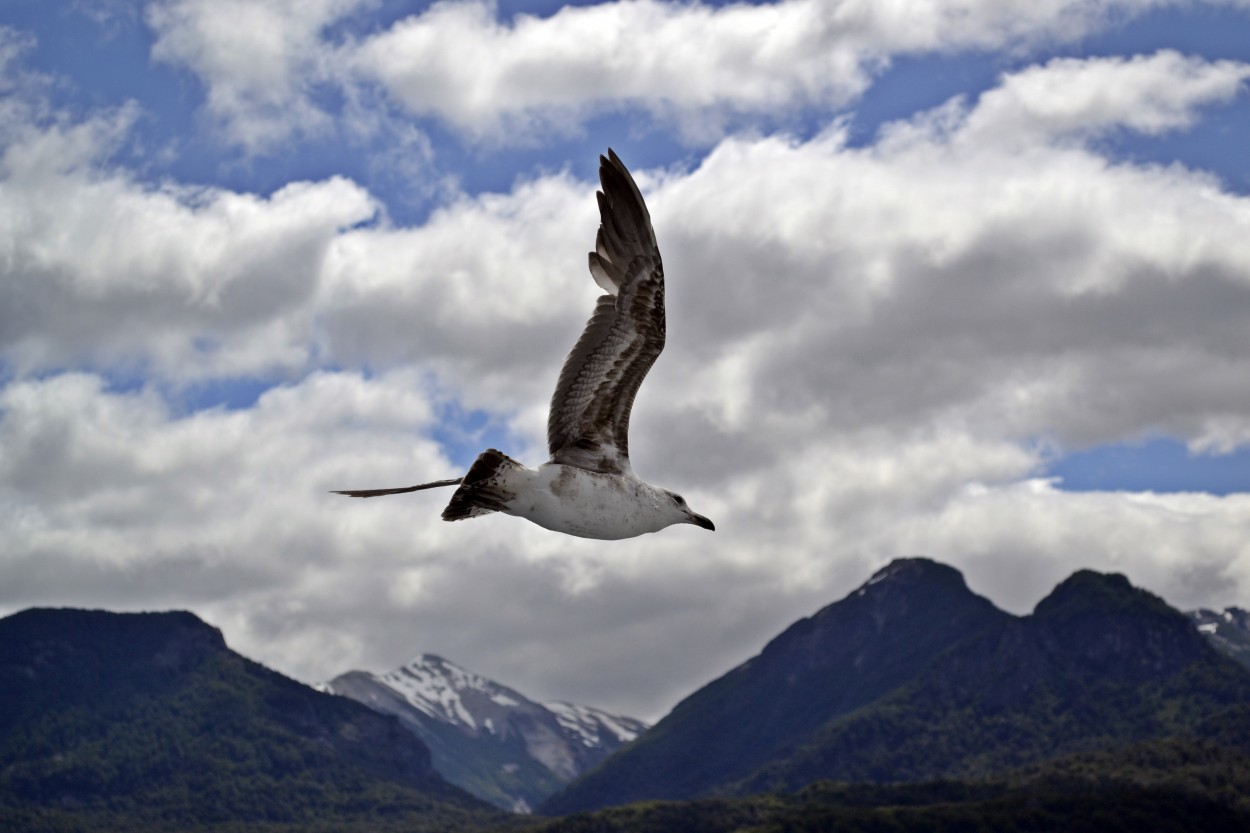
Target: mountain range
<point>503,747</point>
<point>913,677</point>
<point>487,738</point>
<point>911,704</point>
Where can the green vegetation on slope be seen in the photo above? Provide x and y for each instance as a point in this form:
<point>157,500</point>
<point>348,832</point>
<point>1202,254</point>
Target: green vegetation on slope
<point>1156,787</point>
<point>149,720</point>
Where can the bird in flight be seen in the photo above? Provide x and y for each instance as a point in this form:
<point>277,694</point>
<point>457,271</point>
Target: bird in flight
<point>587,488</point>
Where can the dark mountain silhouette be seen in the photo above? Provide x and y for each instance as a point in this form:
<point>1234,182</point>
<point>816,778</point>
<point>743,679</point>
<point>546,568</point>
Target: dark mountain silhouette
<point>148,721</point>
<point>842,658</point>
<point>912,704</point>
<point>913,676</point>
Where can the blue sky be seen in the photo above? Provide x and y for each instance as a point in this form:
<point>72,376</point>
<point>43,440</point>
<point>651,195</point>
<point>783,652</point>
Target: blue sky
<point>948,278</point>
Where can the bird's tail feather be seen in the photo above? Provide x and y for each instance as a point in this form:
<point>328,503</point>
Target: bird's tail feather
<point>398,491</point>
<point>485,488</point>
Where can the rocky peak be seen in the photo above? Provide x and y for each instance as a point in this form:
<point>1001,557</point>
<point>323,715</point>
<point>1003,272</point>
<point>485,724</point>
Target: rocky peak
<point>1115,627</point>
<point>903,610</point>
<point>914,570</point>
<point>900,585</point>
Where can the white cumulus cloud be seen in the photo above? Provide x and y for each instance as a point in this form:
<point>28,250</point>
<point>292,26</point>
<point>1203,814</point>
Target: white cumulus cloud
<point>260,61</point>
<point>692,65</point>
<point>1146,93</point>
<point>98,267</point>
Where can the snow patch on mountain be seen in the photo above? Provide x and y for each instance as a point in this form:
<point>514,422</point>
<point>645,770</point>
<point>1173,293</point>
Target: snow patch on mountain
<point>1227,630</point>
<point>445,691</point>
<point>485,737</point>
<point>590,724</point>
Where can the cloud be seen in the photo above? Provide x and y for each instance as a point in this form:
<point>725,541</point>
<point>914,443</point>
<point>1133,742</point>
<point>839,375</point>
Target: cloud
<point>939,280</point>
<point>12,45</point>
<point>1146,93</point>
<point>1045,294</point>
<point>96,267</point>
<point>111,16</point>
<point>696,65</point>
<point>111,499</point>
<point>261,61</point>
<point>1189,548</point>
<point>459,63</point>
<point>147,506</point>
<point>871,352</point>
<point>271,69</point>
<point>23,91</point>
<point>502,267</point>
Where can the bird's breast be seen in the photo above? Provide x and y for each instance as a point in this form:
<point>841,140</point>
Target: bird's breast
<point>590,504</point>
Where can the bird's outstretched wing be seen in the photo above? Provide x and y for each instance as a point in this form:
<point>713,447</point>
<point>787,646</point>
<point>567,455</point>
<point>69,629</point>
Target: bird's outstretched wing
<point>588,426</point>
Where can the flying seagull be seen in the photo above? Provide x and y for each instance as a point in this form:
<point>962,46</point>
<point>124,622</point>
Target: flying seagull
<point>587,488</point>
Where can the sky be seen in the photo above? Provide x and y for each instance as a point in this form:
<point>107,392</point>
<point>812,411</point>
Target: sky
<point>967,279</point>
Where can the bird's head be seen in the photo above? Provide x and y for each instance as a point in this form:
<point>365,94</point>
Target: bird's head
<point>685,515</point>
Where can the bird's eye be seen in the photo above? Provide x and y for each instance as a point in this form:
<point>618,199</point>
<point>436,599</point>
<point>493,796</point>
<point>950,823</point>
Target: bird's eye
<point>680,500</point>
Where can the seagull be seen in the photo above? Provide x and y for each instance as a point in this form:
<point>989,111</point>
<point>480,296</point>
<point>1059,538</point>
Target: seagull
<point>588,488</point>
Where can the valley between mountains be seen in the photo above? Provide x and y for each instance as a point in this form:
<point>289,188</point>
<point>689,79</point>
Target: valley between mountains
<point>910,704</point>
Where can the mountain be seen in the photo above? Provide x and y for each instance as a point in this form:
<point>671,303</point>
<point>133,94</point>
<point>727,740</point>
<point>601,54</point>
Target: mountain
<point>1098,664</point>
<point>149,722</point>
<point>1227,630</point>
<point>912,677</point>
<point>843,658</point>
<point>487,738</point>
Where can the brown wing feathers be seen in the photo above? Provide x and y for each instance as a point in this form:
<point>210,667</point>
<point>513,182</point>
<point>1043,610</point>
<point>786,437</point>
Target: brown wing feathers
<point>589,421</point>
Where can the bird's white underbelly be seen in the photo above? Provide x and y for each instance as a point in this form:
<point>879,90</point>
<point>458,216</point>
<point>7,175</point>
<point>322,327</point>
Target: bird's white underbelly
<point>588,504</point>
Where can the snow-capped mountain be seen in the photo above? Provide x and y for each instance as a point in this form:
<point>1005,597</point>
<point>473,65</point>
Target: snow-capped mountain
<point>485,737</point>
<point>1228,630</point>
<point>445,691</point>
